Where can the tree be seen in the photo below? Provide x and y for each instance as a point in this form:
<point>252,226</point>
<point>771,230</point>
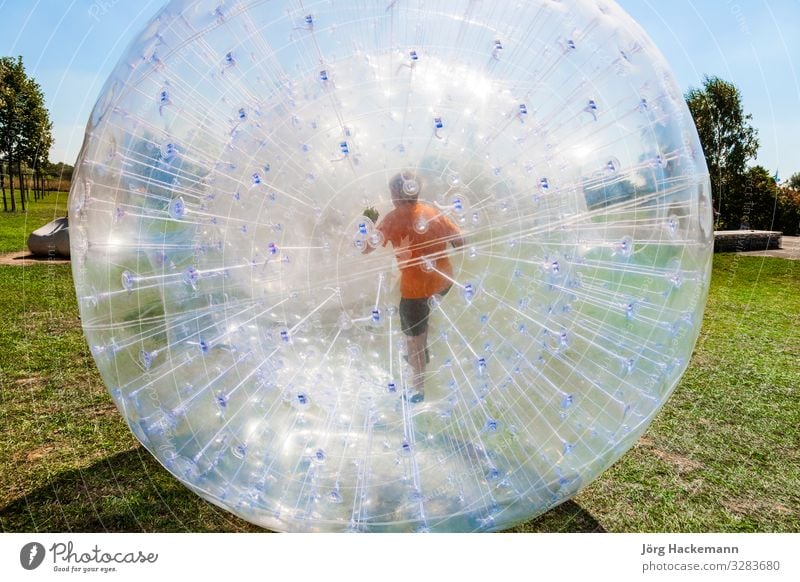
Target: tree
<point>12,74</point>
<point>37,131</point>
<point>794,181</point>
<point>25,127</point>
<point>728,140</point>
<point>58,176</point>
<point>752,200</point>
<point>788,215</point>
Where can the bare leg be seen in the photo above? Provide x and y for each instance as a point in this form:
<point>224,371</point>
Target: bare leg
<point>416,357</point>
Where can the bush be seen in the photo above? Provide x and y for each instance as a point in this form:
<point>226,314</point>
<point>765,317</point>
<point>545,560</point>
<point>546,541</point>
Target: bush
<point>787,217</point>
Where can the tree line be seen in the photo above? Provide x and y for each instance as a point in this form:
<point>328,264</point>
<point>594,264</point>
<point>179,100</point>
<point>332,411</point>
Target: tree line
<point>25,134</point>
<point>749,197</point>
<point>743,196</point>
<point>50,178</point>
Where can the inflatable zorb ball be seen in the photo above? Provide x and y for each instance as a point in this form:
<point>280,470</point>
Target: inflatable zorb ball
<point>218,225</point>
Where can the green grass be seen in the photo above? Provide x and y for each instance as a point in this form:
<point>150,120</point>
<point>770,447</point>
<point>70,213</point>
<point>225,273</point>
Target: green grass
<point>722,455</point>
<point>16,226</point>
<point>67,460</point>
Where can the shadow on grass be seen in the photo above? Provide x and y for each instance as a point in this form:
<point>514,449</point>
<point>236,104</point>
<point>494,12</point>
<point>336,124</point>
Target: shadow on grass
<point>569,517</point>
<point>127,492</point>
<point>131,492</point>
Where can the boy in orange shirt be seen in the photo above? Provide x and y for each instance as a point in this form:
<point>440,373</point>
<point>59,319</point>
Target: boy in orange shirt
<point>419,235</point>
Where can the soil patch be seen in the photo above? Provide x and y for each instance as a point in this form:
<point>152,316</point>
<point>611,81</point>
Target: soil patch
<point>25,259</point>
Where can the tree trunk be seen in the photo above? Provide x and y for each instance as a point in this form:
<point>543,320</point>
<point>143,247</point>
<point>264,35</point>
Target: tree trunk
<point>11,181</point>
<point>3,186</point>
<point>21,184</point>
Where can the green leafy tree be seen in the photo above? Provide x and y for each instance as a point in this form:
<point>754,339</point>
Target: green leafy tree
<point>25,127</point>
<point>12,80</point>
<point>753,200</point>
<point>794,181</point>
<point>59,175</point>
<point>728,140</point>
<point>788,215</point>
<point>37,130</point>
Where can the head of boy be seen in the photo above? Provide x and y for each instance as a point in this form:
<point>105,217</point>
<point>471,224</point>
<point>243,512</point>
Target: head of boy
<point>405,188</point>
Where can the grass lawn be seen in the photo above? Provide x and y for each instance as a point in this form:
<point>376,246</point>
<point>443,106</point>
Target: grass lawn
<point>723,454</point>
<point>16,226</point>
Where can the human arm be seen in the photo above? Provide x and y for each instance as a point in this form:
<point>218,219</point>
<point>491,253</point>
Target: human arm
<point>371,213</point>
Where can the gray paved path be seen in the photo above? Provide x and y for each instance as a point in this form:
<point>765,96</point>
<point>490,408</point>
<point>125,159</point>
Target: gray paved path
<point>790,249</point>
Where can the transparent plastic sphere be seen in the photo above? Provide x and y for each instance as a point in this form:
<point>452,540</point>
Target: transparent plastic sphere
<point>248,321</point>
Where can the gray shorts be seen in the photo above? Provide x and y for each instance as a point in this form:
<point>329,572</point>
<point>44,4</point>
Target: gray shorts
<point>414,314</point>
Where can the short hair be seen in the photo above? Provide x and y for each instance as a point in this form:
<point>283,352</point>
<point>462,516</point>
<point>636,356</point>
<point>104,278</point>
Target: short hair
<point>405,186</point>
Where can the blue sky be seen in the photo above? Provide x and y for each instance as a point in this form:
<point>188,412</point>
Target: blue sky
<point>70,47</point>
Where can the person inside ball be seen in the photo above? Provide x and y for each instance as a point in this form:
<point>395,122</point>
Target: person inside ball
<point>419,235</point>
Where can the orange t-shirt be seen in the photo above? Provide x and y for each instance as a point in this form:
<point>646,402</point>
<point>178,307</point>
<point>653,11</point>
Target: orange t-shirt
<point>398,227</point>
